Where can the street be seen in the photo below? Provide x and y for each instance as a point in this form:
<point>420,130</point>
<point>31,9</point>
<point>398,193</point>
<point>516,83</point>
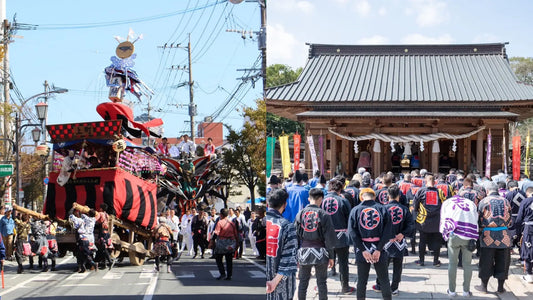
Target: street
<point>190,279</point>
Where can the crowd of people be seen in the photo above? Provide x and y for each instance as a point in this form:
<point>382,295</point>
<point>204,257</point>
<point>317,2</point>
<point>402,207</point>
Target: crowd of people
<point>313,223</point>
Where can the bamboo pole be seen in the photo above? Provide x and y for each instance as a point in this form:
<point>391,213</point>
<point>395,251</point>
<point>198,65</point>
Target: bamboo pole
<point>30,212</point>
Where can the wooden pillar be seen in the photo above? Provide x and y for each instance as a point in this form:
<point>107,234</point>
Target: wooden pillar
<point>376,159</point>
<point>344,155</point>
<point>468,154</point>
<point>434,156</point>
<point>479,151</point>
<point>333,154</point>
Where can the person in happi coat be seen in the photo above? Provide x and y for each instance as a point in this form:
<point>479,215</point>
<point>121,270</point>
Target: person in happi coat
<point>495,255</point>
<point>282,244</point>
<point>83,237</point>
<point>39,244</point>
<point>524,228</point>
<point>515,196</point>
<point>163,239</point>
<point>427,203</point>
<point>316,236</point>
<point>369,227</point>
<point>339,208</point>
<point>459,227</point>
<point>402,225</point>
<point>23,230</point>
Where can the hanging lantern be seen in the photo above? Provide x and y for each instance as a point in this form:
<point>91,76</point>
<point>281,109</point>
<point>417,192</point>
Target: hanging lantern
<point>421,146</point>
<point>436,148</point>
<point>377,146</point>
<point>119,146</point>
<point>392,149</point>
<point>355,148</point>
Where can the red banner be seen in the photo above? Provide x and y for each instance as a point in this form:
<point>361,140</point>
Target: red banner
<point>516,157</point>
<point>297,141</point>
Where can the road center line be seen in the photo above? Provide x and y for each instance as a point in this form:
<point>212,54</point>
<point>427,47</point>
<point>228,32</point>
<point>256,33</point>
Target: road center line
<point>151,287</point>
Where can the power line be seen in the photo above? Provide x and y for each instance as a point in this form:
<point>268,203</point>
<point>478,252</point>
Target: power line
<point>113,23</point>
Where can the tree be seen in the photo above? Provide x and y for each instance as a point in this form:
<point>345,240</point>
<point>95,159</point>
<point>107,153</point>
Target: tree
<point>523,68</point>
<point>278,75</point>
<point>281,74</point>
<point>247,152</point>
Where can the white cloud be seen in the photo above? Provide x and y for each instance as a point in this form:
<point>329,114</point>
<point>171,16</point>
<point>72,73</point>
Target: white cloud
<point>292,6</point>
<point>362,7</point>
<point>382,11</point>
<point>284,48</point>
<point>428,12</point>
<point>373,40</point>
<point>417,38</point>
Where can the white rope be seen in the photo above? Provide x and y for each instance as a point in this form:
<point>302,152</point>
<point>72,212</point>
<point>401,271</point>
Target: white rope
<point>407,138</point>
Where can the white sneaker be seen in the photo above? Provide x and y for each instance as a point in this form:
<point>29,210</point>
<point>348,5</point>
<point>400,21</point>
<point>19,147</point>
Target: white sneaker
<point>395,292</point>
<point>467,294</point>
<point>528,278</point>
<point>451,294</point>
<point>168,269</point>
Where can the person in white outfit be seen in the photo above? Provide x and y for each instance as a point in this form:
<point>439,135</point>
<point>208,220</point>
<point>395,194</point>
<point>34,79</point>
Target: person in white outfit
<point>174,223</point>
<point>186,220</point>
<point>251,236</point>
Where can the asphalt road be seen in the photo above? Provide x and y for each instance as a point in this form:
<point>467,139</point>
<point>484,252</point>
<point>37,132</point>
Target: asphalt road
<point>189,279</point>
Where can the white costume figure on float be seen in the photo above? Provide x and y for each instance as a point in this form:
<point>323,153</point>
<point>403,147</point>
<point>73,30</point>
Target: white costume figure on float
<point>67,166</point>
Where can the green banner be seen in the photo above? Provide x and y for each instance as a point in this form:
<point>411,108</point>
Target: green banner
<point>271,145</point>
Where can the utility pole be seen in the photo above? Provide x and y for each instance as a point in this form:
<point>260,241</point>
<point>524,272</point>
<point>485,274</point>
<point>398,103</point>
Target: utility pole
<point>192,106</point>
<point>5,41</point>
<point>262,44</point>
<point>46,158</point>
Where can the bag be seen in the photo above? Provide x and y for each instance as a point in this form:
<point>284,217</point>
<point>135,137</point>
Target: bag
<point>224,246</point>
<point>211,244</point>
<point>52,245</point>
<point>471,245</point>
<point>26,249</point>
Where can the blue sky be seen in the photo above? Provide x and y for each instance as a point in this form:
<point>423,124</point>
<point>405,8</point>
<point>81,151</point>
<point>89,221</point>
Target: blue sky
<point>292,23</point>
<point>75,58</point>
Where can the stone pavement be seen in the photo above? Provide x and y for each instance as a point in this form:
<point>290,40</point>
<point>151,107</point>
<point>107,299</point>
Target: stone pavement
<point>431,282</point>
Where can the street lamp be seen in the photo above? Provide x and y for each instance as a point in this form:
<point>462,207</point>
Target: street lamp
<point>42,111</point>
<point>36,135</point>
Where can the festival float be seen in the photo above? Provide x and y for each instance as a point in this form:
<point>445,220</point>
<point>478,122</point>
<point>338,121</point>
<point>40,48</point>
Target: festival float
<point>97,162</point>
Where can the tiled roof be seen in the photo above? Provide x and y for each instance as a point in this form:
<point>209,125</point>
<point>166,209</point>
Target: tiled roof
<point>407,114</point>
<point>457,73</point>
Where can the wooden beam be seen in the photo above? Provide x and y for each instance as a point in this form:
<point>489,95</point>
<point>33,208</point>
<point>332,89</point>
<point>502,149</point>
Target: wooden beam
<point>479,151</point>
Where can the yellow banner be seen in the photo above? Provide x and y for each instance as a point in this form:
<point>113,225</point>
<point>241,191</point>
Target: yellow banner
<point>285,155</point>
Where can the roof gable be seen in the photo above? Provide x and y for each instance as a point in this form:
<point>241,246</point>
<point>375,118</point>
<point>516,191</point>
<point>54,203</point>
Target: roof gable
<point>405,73</point>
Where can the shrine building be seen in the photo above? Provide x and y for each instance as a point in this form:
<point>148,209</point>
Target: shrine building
<point>435,105</point>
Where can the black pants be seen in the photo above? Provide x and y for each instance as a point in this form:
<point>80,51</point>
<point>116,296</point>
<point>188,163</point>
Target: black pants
<point>85,255</point>
<point>433,240</point>
<point>261,248</point>
<point>382,271</point>
<point>199,240</point>
<point>529,267</point>
<point>494,262</point>
<point>240,249</point>
<point>158,260</point>
<point>397,268</point>
<point>321,272</point>
<point>342,257</point>
<point>229,263</point>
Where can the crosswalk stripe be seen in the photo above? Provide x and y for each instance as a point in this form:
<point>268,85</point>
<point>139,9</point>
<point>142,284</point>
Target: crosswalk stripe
<point>78,276</point>
<point>214,273</point>
<point>257,274</point>
<point>185,275</point>
<point>147,273</point>
<point>113,275</point>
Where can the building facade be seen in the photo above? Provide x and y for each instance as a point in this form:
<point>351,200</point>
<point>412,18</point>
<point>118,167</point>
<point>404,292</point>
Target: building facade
<point>406,96</point>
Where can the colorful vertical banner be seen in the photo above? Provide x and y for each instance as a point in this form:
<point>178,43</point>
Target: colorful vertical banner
<point>504,147</point>
<point>489,152</point>
<point>285,155</point>
<point>321,152</point>
<point>312,151</point>
<point>526,159</point>
<point>516,157</point>
<point>271,143</point>
<point>297,142</point>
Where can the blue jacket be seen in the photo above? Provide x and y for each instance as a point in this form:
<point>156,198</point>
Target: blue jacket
<point>6,226</point>
<point>2,249</point>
